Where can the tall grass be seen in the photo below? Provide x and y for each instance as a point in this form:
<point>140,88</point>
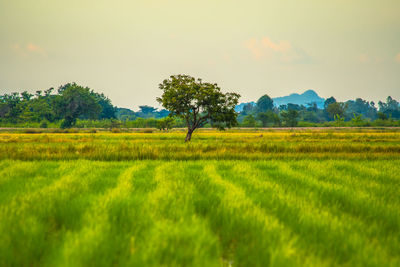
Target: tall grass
<point>237,198</point>
<point>205,145</point>
<point>200,213</point>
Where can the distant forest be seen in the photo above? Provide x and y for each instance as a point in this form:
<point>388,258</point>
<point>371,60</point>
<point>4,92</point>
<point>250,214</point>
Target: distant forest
<point>72,105</point>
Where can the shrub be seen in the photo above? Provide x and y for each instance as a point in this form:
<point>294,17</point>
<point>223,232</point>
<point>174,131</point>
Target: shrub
<point>165,124</point>
<point>43,124</point>
<point>71,131</point>
<point>31,131</point>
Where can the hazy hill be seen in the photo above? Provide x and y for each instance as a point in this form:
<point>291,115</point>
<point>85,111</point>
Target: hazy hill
<point>308,96</point>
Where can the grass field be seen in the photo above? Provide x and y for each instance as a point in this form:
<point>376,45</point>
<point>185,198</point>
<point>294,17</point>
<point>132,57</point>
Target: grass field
<point>259,145</point>
<point>280,198</point>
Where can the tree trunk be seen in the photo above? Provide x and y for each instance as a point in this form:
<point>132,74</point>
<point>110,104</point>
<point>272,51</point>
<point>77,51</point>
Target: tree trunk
<point>188,135</point>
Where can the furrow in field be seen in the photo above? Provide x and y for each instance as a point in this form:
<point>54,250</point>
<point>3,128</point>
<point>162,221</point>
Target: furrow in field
<point>341,194</point>
<point>342,189</point>
<point>21,177</point>
<point>32,223</point>
<point>248,235</point>
<point>16,173</point>
<point>362,178</point>
<point>312,224</point>
<point>60,187</point>
<point>4,170</point>
<point>178,237</point>
<point>84,246</point>
<point>368,216</point>
<point>299,207</point>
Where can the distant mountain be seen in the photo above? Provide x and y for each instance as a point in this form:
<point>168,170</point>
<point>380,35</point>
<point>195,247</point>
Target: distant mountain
<point>305,98</point>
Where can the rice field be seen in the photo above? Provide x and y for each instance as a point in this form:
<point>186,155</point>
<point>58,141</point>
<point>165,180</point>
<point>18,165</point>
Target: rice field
<point>269,198</point>
<point>234,145</point>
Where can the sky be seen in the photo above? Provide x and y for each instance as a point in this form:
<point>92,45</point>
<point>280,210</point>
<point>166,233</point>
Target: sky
<point>125,48</point>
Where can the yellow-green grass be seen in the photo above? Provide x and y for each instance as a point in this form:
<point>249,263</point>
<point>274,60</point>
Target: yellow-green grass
<point>259,198</point>
<point>200,213</point>
<point>353,143</point>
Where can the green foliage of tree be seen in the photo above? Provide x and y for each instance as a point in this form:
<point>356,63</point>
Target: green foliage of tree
<point>291,106</point>
<point>360,107</point>
<point>263,117</point>
<point>329,101</point>
<point>268,117</point>
<point>264,104</point>
<point>339,120</point>
<point>290,117</point>
<point>309,116</point>
<point>357,119</point>
<point>198,102</point>
<point>30,110</point>
<point>144,123</point>
<point>77,101</point>
<point>151,112</point>
<point>336,109</point>
<point>249,121</point>
<point>10,106</point>
<point>43,124</point>
<point>125,114</point>
<point>391,108</point>
<point>115,124</point>
<point>147,109</point>
<point>108,111</point>
<point>382,116</point>
<point>276,119</point>
<point>38,109</point>
<point>248,109</point>
<point>165,124</point>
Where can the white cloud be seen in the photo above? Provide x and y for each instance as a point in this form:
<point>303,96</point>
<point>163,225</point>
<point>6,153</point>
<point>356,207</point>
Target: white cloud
<point>266,49</point>
<point>363,58</point>
<point>28,49</point>
<point>397,57</point>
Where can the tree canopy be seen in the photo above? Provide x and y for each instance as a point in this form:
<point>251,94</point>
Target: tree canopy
<point>265,103</point>
<point>75,106</point>
<point>336,109</point>
<point>198,102</point>
<point>77,101</point>
<point>329,101</point>
<point>290,117</point>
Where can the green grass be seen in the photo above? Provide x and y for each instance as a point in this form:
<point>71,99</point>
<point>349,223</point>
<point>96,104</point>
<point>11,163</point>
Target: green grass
<point>201,213</point>
<point>354,143</point>
<point>317,198</point>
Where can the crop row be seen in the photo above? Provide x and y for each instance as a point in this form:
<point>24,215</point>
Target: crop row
<point>200,213</point>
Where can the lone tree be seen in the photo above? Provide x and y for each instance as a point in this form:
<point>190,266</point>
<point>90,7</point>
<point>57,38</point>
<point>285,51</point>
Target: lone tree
<point>198,102</point>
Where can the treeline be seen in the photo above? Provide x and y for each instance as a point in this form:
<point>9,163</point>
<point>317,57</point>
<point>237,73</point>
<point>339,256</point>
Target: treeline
<point>72,105</point>
<point>66,105</point>
<point>357,112</point>
<point>145,112</point>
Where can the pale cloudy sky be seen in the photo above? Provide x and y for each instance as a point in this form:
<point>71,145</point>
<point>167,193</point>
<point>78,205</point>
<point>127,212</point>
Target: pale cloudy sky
<point>126,48</point>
